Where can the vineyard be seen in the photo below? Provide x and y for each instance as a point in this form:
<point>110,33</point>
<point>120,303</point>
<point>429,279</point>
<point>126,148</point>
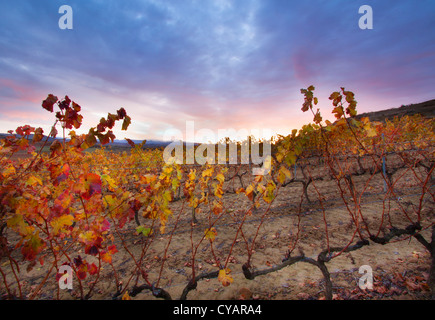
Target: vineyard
<point>336,196</point>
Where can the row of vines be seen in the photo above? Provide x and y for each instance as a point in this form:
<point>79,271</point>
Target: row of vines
<point>132,220</point>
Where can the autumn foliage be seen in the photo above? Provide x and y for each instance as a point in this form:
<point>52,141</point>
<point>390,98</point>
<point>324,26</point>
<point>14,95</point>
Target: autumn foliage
<point>73,207</point>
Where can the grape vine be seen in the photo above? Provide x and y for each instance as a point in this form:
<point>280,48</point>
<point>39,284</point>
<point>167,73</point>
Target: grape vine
<point>136,218</point>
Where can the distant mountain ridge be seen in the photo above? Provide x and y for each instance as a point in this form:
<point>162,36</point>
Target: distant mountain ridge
<point>116,142</point>
<point>149,143</point>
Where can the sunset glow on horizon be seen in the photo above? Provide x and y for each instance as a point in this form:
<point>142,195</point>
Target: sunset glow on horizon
<point>222,64</point>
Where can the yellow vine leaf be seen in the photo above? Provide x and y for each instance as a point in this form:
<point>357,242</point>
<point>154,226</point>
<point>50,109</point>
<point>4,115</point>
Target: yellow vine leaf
<point>370,130</point>
<point>87,237</point>
<point>220,177</point>
<point>192,175</point>
<point>32,180</point>
<point>166,172</point>
<point>167,196</point>
<point>290,158</point>
<point>249,192</point>
<point>10,170</point>
<point>208,172</point>
<point>59,223</point>
<point>258,178</point>
<point>224,277</point>
<point>106,178</point>
<point>218,192</point>
<point>268,195</point>
<point>17,223</point>
<point>210,234</point>
<point>126,296</point>
<point>283,173</point>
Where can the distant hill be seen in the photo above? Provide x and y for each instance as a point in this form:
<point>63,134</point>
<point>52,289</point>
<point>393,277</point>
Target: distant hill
<point>115,143</point>
<point>148,144</point>
<point>426,109</point>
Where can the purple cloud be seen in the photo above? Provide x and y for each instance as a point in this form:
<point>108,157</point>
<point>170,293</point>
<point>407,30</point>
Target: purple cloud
<point>219,63</point>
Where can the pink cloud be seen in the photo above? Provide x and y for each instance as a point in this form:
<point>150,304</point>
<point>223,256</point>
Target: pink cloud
<point>20,92</point>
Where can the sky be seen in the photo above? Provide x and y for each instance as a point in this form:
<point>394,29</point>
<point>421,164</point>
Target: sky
<point>216,64</point>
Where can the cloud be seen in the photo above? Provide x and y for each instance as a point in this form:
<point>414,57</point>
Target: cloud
<point>219,63</point>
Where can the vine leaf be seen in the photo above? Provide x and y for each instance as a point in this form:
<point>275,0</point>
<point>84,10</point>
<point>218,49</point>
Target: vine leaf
<point>224,277</point>
<point>48,103</point>
<point>210,234</point>
<point>59,223</point>
<point>88,185</point>
<point>32,247</point>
